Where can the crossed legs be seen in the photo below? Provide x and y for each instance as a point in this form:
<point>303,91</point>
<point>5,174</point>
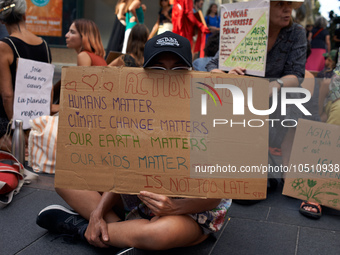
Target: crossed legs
<point>159,233</point>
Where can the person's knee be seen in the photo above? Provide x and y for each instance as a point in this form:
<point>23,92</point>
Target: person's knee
<point>151,239</point>
<point>165,234</point>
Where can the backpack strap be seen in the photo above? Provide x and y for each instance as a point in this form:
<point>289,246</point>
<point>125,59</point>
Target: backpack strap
<point>48,53</point>
<point>15,48</point>
<point>318,32</point>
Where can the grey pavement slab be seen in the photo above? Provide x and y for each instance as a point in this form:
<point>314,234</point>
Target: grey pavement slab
<point>251,237</point>
<point>54,244</point>
<point>315,242</point>
<point>293,217</point>
<point>18,219</point>
<point>255,212</point>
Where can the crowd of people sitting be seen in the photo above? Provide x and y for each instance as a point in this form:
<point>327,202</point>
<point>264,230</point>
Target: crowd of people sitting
<point>174,222</point>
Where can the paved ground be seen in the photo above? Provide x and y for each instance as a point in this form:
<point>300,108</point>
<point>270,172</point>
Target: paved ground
<point>273,226</point>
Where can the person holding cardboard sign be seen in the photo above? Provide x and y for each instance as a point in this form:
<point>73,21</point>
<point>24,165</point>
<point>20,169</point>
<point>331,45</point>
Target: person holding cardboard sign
<point>153,221</point>
<point>285,67</point>
<point>21,43</point>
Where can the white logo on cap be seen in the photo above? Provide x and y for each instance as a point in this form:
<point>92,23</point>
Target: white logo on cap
<point>167,41</point>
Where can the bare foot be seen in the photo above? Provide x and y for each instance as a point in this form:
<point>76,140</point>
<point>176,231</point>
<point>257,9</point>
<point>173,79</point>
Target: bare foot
<point>310,209</point>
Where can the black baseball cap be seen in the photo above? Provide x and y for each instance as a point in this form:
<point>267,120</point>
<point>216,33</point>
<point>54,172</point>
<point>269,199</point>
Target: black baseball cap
<point>168,42</point>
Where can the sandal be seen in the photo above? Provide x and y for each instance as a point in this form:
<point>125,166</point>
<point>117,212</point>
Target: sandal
<point>315,215</point>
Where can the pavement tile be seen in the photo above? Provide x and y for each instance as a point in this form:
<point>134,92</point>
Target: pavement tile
<point>201,249</point>
<point>255,212</point>
<point>250,237</point>
<point>52,244</point>
<point>18,219</point>
<point>317,242</point>
<point>293,217</point>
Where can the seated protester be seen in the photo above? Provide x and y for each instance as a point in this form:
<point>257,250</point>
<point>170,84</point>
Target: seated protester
<point>329,103</point>
<point>330,64</point>
<point>285,67</point>
<point>332,108</point>
<point>209,52</point>
<point>84,37</point>
<point>325,100</point>
<point>135,48</point>
<point>20,43</point>
<point>160,222</point>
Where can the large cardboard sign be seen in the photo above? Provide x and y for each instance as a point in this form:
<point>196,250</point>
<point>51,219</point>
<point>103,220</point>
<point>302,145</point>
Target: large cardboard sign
<point>128,129</point>
<point>33,86</point>
<point>45,17</point>
<point>315,164</point>
<point>244,35</point>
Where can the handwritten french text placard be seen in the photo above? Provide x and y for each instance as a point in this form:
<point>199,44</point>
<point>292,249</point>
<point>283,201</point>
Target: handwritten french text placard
<point>315,164</point>
<point>32,95</point>
<point>244,35</point>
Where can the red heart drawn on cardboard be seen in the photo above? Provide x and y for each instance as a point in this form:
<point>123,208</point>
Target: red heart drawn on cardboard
<point>71,86</point>
<point>108,86</point>
<point>91,80</point>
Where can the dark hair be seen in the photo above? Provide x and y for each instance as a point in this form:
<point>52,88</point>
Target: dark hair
<point>12,11</point>
<point>210,7</point>
<point>136,42</point>
<point>212,45</point>
<point>160,3</point>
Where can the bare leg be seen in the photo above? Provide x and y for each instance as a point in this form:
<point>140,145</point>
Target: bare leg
<point>158,234</point>
<point>84,202</point>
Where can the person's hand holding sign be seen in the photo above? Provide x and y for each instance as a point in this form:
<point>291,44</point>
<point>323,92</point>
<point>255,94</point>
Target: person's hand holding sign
<point>162,205</point>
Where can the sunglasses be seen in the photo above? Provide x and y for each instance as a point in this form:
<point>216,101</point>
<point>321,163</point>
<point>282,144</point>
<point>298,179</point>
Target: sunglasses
<point>174,68</point>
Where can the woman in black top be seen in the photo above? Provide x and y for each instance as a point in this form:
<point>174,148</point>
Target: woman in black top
<point>27,45</point>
